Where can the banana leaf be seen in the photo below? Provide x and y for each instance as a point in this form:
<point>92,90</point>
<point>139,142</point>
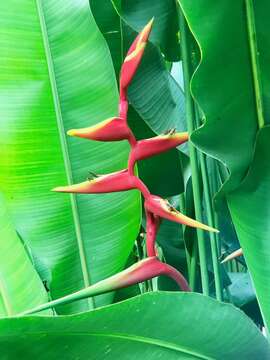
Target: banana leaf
<point>231,86</point>
<point>155,325</point>
<point>20,285</point>
<point>57,74</point>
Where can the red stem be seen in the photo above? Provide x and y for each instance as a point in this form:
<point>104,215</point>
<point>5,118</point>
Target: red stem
<point>138,184</point>
<point>151,233</point>
<point>176,276</point>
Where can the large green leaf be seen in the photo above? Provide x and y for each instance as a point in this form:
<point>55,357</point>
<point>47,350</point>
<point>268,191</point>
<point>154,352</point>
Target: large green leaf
<point>233,93</point>
<point>20,285</point>
<point>223,83</point>
<point>250,210</point>
<point>242,295</point>
<point>152,326</point>
<point>57,74</point>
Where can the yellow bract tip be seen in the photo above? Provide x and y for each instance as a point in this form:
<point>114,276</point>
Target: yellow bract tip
<point>206,227</point>
<point>71,132</point>
<point>57,189</point>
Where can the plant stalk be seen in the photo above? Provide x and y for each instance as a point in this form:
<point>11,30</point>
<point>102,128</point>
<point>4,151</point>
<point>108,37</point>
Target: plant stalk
<point>252,39</point>
<point>190,113</point>
<point>210,218</point>
<point>182,208</point>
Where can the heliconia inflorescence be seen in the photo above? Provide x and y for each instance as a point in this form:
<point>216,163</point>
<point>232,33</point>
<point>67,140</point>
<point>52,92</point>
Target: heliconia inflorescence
<point>116,129</point>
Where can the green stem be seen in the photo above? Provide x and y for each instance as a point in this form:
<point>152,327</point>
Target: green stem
<point>182,205</point>
<point>252,39</point>
<point>193,266</point>
<point>64,147</point>
<point>190,113</point>
<point>216,184</point>
<point>210,218</point>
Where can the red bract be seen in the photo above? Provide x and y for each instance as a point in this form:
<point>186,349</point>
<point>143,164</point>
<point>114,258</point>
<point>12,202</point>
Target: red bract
<point>112,129</point>
<point>143,270</point>
<point>133,58</point>
<point>156,145</point>
<point>117,181</point>
<point>162,208</point>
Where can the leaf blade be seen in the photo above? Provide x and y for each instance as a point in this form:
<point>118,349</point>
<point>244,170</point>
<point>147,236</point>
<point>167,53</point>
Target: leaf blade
<point>33,162</point>
<point>144,338</point>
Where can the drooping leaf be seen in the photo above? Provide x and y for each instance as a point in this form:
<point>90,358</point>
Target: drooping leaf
<point>57,74</point>
<point>155,325</point>
<point>232,90</point>
<point>249,206</point>
<point>20,285</point>
<point>242,295</point>
<point>223,84</point>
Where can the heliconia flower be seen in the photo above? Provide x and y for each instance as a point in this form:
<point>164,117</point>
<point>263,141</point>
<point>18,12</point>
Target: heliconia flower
<point>156,145</point>
<point>112,129</point>
<point>133,58</point>
<point>116,181</point>
<point>139,272</point>
<point>160,207</point>
<point>233,255</point>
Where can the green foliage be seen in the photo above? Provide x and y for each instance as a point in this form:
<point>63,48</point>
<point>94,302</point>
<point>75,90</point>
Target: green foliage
<point>157,325</point>
<point>20,285</point>
<point>249,206</point>
<point>56,77</point>
<point>59,63</point>
<point>231,86</point>
<point>242,295</point>
<point>223,84</point>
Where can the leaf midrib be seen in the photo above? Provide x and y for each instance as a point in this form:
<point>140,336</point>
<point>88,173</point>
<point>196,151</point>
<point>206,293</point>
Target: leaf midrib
<point>141,339</point>
<point>64,148</point>
<point>4,297</point>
